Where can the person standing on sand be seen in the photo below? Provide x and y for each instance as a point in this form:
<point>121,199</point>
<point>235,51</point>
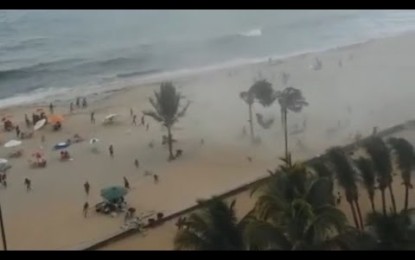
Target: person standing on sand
<point>136,163</point>
<point>134,119</point>
<point>51,108</point>
<point>156,178</point>
<point>93,117</point>
<point>143,121</point>
<point>111,150</point>
<point>28,184</point>
<point>126,183</point>
<point>84,103</point>
<point>86,188</point>
<point>71,107</point>
<point>17,131</point>
<point>85,209</point>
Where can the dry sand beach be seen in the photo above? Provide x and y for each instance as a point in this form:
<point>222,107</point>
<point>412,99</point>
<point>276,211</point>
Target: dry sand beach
<point>375,80</point>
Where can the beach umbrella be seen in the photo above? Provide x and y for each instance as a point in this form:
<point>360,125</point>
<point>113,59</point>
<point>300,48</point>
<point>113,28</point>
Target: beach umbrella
<point>4,165</point>
<point>61,145</point>
<point>55,119</point>
<point>12,143</point>
<point>6,117</point>
<point>93,141</point>
<point>111,116</point>
<point>113,193</point>
<point>39,124</point>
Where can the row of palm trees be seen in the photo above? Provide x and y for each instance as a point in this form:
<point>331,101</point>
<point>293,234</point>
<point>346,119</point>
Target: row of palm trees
<point>289,99</point>
<point>296,209</point>
<point>167,110</point>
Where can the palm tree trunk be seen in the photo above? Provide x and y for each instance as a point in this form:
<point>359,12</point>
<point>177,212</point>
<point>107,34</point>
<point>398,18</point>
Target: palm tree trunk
<point>251,124</point>
<point>170,143</point>
<point>382,192</point>
<point>359,214</point>
<point>285,132</point>
<point>354,214</point>
<point>392,198</point>
<point>372,203</point>
<point>406,198</point>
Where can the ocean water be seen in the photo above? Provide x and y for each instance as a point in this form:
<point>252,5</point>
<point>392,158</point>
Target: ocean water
<point>57,54</point>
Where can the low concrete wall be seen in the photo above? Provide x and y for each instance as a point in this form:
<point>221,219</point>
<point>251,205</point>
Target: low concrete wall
<point>126,233</point>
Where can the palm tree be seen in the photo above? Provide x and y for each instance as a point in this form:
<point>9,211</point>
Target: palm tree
<point>294,211</point>
<point>367,172</point>
<point>166,110</point>
<point>290,99</point>
<point>392,231</point>
<point>405,160</point>
<point>346,178</point>
<point>215,227</point>
<point>248,97</point>
<point>379,152</point>
<point>262,91</point>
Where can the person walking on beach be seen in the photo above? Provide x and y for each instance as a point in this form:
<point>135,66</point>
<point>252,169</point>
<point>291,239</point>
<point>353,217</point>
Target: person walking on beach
<point>84,103</point>
<point>156,178</point>
<point>78,102</point>
<point>126,183</point>
<point>17,131</point>
<point>142,121</point>
<point>51,108</point>
<point>28,184</point>
<point>86,188</point>
<point>136,163</point>
<point>339,198</point>
<point>71,107</point>
<point>85,209</point>
<point>134,119</point>
<point>111,150</point>
<point>93,117</point>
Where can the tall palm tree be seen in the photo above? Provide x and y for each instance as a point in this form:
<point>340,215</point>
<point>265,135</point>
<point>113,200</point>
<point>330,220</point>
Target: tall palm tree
<point>248,97</point>
<point>214,227</point>
<point>290,99</point>
<point>405,156</point>
<point>262,91</point>
<point>367,172</point>
<point>346,178</point>
<point>294,211</point>
<point>379,152</point>
<point>167,110</point>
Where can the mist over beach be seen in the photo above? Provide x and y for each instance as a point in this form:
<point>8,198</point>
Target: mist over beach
<point>89,75</point>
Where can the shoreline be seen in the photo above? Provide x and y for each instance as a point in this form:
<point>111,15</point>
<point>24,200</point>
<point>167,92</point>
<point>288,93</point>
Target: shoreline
<point>128,83</point>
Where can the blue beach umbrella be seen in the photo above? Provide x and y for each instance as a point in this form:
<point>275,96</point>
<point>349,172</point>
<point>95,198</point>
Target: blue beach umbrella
<point>113,193</point>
